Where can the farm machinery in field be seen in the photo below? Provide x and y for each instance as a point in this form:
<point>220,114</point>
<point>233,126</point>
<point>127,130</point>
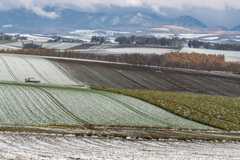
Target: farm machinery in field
<point>31,80</point>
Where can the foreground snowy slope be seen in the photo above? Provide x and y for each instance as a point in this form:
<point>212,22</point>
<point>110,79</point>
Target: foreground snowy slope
<point>42,146</point>
<point>31,104</point>
<point>16,68</point>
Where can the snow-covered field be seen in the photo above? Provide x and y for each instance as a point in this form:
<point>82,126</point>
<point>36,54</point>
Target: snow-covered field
<point>18,67</point>
<point>194,36</point>
<point>59,46</point>
<point>50,146</point>
<point>6,46</point>
<point>231,56</point>
<point>45,105</point>
<point>129,50</point>
<point>15,45</point>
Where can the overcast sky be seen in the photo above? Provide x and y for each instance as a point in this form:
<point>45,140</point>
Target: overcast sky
<point>217,10</point>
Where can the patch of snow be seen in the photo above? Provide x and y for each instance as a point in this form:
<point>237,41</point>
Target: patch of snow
<point>159,29</point>
<point>192,36</point>
<point>211,38</point>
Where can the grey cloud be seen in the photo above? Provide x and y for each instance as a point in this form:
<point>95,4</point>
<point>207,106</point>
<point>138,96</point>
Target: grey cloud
<point>91,5</point>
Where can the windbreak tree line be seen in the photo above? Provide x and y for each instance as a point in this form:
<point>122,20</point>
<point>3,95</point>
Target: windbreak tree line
<point>172,59</point>
<point>216,46</point>
<point>99,39</point>
<point>174,41</point>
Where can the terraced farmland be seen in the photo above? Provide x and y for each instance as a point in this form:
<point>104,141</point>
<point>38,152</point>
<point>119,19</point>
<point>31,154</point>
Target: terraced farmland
<point>15,68</point>
<point>31,104</point>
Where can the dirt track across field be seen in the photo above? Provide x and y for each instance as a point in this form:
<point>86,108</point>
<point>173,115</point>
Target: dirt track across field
<point>143,77</point>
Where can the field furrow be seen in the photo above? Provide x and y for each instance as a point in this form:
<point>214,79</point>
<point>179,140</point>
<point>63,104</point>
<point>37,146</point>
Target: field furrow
<point>26,105</point>
<point>6,72</point>
<point>35,69</point>
<point>20,68</point>
<point>50,71</point>
<point>62,107</point>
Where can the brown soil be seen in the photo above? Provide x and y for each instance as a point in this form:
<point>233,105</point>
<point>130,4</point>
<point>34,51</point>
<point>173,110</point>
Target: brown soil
<point>143,77</point>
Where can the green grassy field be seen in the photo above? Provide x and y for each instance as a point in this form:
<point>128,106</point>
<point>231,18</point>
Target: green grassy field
<point>24,104</point>
<point>219,111</point>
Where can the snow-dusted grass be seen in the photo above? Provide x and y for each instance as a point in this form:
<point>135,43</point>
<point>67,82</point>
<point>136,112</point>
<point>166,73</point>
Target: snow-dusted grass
<point>107,108</point>
<point>29,104</point>
<point>18,67</point>
<point>4,72</point>
<point>218,111</point>
<point>231,56</point>
<point>39,146</point>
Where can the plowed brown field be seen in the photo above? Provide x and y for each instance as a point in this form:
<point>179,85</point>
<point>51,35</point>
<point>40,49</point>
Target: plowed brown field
<point>164,79</point>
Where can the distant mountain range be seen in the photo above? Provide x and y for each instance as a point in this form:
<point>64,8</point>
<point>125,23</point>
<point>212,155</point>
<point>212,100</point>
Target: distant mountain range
<point>236,28</point>
<point>25,21</point>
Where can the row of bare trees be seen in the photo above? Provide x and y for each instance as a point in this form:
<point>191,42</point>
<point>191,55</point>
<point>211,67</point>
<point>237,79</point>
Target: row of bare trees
<point>172,59</point>
<point>199,62</point>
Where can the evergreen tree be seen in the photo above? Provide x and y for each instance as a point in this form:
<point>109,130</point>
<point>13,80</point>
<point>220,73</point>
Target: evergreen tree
<point>190,43</point>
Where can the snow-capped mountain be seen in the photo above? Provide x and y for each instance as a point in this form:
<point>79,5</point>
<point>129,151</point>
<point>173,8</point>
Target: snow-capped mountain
<point>22,20</point>
<point>237,28</point>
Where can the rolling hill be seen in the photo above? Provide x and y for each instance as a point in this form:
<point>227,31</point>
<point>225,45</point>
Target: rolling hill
<point>30,105</point>
<point>16,68</point>
<point>157,78</point>
<point>58,99</point>
<point>63,98</point>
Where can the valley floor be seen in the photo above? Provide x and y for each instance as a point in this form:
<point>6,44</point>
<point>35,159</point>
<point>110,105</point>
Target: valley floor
<point>54,146</point>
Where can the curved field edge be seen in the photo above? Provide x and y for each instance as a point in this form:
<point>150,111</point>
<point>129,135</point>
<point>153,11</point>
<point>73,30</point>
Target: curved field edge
<point>213,110</point>
<point>37,104</point>
<point>124,132</point>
